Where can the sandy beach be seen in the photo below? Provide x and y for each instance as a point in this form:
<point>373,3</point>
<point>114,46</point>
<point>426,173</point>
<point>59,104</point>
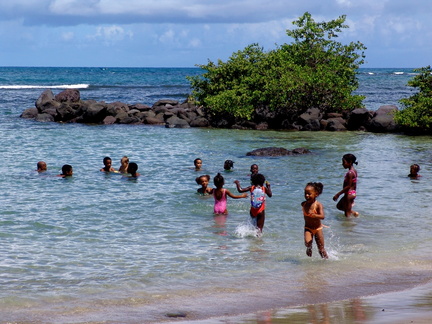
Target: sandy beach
<point>400,307</point>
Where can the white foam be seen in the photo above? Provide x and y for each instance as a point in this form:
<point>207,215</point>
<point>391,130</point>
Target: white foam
<point>61,86</point>
<point>247,229</point>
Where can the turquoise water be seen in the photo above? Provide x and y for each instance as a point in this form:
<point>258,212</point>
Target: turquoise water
<point>100,247</point>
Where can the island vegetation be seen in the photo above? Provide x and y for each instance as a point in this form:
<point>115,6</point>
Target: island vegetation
<point>416,115</point>
<point>314,71</point>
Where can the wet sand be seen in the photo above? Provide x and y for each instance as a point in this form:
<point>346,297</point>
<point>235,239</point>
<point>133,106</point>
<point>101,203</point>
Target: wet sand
<point>407,306</point>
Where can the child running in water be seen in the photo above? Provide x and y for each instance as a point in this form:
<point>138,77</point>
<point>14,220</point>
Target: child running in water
<point>203,181</point>
<point>220,195</point>
<point>258,198</point>
<point>313,213</point>
<point>349,186</point>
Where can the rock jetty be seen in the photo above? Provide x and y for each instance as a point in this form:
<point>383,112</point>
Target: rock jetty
<point>68,107</point>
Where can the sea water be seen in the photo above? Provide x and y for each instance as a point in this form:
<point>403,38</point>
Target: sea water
<point>103,247</point>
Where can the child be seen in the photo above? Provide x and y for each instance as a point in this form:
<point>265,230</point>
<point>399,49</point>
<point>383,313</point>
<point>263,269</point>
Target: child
<point>414,169</point>
<point>67,171</point>
<point>220,195</point>
<point>41,166</point>
<point>107,165</point>
<point>228,165</point>
<point>132,170</point>
<point>124,163</point>
<point>258,197</point>
<point>198,164</point>
<point>253,169</point>
<point>313,213</point>
<point>203,181</point>
<point>349,186</point>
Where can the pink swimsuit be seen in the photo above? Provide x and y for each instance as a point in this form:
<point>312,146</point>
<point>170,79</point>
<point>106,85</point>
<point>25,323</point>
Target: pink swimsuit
<point>220,206</point>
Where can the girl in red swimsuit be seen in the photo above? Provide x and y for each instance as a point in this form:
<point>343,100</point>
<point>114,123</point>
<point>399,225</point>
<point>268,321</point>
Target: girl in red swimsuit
<point>258,197</point>
<point>349,187</point>
<point>313,213</point>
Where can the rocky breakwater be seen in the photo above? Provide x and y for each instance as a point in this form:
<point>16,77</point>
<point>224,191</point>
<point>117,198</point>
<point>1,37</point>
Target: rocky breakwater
<point>67,107</point>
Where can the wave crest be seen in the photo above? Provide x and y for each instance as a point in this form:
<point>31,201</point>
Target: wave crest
<point>60,86</point>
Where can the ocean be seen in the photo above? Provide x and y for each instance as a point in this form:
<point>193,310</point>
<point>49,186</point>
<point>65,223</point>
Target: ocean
<point>102,248</point>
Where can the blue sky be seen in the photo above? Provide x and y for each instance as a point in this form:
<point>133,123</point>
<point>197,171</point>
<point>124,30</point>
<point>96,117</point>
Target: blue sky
<point>182,33</point>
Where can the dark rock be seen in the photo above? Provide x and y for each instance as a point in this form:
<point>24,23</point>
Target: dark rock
<point>262,126</point>
<point>199,122</point>
<point>153,121</point>
<point>72,95</point>
<point>383,120</point>
<point>65,113</point>
<point>334,115</point>
<point>121,115</point>
<point>44,118</point>
<point>336,124</point>
<point>141,107</point>
<point>165,102</point>
<point>358,118</point>
<point>160,109</point>
<point>176,122</point>
<point>129,120</point>
<point>276,151</point>
<point>300,150</point>
<point>45,99</point>
<point>29,113</point>
<point>176,314</point>
<point>94,113</point>
<point>310,120</point>
<point>109,120</point>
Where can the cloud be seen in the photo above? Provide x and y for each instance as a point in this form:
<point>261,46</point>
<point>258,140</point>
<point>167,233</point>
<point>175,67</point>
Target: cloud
<point>110,34</point>
<point>67,36</point>
<point>203,28</point>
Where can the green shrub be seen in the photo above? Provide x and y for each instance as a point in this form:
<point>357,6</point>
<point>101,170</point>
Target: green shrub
<point>416,114</point>
<point>313,71</point>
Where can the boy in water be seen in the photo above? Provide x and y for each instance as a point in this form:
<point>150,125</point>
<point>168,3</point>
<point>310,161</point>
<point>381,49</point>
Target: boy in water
<point>198,164</point>
<point>132,169</point>
<point>414,169</point>
<point>107,165</point>
<point>67,171</point>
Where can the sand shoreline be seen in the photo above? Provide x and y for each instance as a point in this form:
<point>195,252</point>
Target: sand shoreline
<point>412,305</point>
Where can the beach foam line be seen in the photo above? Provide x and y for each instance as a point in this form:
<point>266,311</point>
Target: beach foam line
<point>61,86</point>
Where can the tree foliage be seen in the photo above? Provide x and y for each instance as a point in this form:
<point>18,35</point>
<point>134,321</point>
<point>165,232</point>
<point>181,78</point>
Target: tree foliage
<point>417,111</point>
<point>313,71</point>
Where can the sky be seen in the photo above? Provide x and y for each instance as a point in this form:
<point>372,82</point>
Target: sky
<point>184,33</point>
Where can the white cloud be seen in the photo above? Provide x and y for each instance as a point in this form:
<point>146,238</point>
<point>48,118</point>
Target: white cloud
<point>67,36</point>
<point>110,34</point>
<point>167,36</point>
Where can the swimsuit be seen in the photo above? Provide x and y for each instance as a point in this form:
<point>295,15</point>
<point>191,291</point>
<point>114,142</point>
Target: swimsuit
<point>220,206</point>
<point>313,231</point>
<point>352,192</point>
<point>311,211</point>
<point>257,200</point>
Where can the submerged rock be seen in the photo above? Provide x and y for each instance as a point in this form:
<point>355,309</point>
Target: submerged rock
<point>277,151</point>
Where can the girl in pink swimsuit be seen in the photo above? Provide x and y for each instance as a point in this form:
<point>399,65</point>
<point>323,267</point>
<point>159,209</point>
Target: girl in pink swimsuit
<point>349,186</point>
<point>220,195</point>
